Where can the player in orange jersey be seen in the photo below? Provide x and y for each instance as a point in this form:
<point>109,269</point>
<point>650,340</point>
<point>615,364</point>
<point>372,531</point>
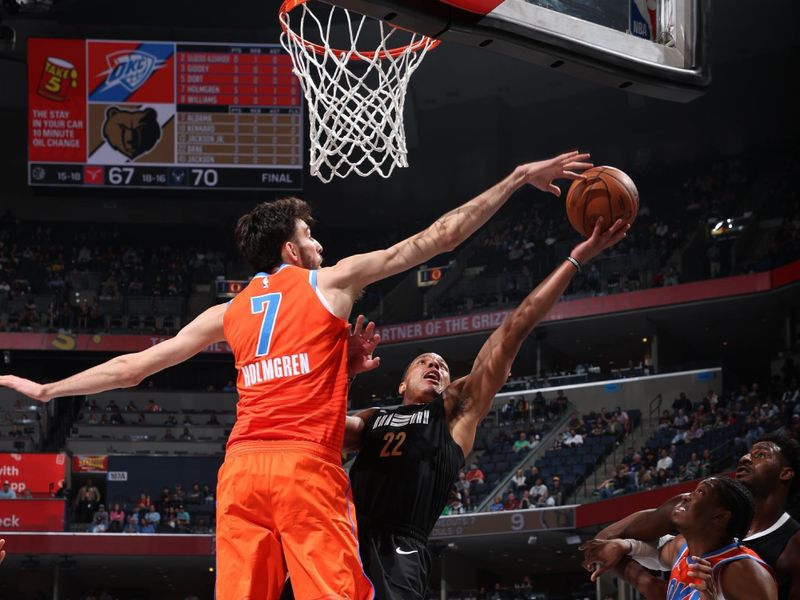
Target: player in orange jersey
<point>283,498</point>
<point>711,520</point>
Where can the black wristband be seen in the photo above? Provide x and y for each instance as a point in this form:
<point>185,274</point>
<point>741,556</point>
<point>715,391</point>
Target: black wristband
<point>574,261</point>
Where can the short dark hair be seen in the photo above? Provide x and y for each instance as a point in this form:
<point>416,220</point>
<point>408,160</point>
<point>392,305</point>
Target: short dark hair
<point>261,233</point>
<point>790,450</point>
<point>737,499</point>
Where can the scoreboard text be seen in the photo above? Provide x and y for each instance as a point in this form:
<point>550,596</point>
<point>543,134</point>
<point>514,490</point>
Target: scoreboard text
<point>163,114</point>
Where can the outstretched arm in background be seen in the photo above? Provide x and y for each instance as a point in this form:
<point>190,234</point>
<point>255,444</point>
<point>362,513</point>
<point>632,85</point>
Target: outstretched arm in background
<point>469,399</point>
<point>129,370</point>
<point>342,282</point>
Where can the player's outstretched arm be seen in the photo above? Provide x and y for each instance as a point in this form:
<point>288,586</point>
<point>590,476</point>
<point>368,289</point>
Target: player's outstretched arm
<point>789,566</point>
<point>474,393</point>
<point>354,273</point>
<point>652,588</point>
<point>129,370</point>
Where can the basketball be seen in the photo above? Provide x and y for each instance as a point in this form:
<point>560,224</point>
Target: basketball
<point>606,192</point>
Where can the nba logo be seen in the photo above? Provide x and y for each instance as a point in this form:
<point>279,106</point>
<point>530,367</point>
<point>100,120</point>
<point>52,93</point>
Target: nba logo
<point>643,19</point>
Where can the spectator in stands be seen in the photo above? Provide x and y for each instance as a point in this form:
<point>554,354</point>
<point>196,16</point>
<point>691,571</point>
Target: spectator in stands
<point>170,421</point>
<point>665,461</point>
<point>560,403</point>
<point>518,481</point>
<point>183,519</point>
<point>706,463</point>
<point>609,486</point>
<point>475,475</point>
<point>7,493</point>
<point>497,504</point>
<point>521,409</point>
<point>693,466</point>
<point>152,516</point>
<point>545,500</point>
<point>168,435</point>
<point>100,520</point>
<point>116,418</point>
<point>539,405</point>
<point>179,494</point>
<point>556,492</point>
<point>462,485</point>
<point>538,488</point>
<point>187,420</point>
<point>573,439</point>
<point>146,527</point>
<point>212,420</point>
<point>208,494</point>
<point>116,519</point>
<point>152,406</point>
<point>131,406</point>
<point>525,502</point>
<point>195,495</point>
<point>111,406</point>
<point>522,443</point>
<point>186,436</point>
<point>132,525</point>
<point>511,502</point>
<point>682,402</point>
<point>507,412</point>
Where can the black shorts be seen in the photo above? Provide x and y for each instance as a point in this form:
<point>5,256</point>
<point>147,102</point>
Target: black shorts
<point>398,566</point>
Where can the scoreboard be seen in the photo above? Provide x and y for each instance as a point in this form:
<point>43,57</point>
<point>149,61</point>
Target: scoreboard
<point>177,115</point>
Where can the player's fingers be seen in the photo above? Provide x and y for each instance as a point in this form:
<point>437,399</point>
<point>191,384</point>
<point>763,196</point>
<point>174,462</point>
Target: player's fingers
<point>598,571</point>
<point>573,175</point>
<point>369,330</point>
<point>359,325</point>
<point>555,190</point>
<point>578,165</point>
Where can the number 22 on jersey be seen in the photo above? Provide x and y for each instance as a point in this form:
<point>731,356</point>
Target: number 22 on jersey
<point>269,305</point>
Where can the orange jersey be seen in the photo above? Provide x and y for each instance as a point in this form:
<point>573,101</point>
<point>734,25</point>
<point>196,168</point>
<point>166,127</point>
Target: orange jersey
<point>679,580</point>
<point>291,355</point>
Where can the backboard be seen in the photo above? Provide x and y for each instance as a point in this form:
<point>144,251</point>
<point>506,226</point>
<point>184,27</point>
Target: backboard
<point>651,47</point>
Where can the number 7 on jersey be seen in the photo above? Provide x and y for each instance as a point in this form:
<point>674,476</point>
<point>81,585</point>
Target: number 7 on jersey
<point>267,304</point>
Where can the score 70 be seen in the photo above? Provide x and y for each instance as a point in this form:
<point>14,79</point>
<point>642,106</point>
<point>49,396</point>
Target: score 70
<point>198,177</point>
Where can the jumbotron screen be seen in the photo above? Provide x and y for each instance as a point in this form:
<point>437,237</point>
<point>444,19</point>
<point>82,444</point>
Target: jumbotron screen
<point>176,115</point>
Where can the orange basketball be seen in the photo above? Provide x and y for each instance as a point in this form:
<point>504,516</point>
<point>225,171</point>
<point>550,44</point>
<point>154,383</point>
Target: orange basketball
<point>606,192</point>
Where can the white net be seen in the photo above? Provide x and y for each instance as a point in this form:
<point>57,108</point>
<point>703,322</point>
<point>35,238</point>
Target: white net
<point>355,97</point>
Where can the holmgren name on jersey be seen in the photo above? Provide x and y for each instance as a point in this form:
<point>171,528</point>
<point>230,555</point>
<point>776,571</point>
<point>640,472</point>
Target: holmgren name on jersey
<point>275,368</point>
<point>397,420</point>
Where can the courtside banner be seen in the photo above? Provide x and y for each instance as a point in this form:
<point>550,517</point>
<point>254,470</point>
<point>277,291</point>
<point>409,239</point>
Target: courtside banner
<point>87,463</point>
<point>31,515</point>
<point>39,474</point>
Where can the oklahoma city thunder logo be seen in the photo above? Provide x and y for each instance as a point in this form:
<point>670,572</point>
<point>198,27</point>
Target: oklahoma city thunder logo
<point>129,69</point>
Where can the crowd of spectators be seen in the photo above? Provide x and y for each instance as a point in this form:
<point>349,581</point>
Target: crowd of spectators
<point>176,511</point>
<point>697,438</point>
<point>88,278</point>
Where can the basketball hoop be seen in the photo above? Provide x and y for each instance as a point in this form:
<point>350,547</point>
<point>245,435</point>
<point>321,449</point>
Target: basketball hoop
<point>355,97</point>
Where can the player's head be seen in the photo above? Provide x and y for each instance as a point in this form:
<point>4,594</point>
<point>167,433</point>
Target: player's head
<point>425,378</point>
<point>278,232</point>
<point>718,507</point>
<point>772,465</point>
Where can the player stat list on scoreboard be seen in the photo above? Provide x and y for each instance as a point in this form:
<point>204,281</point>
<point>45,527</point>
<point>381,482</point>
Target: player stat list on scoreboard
<point>163,114</point>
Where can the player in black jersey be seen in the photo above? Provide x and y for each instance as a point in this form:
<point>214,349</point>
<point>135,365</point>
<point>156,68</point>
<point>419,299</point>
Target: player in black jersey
<point>409,456</point>
<point>771,471</point>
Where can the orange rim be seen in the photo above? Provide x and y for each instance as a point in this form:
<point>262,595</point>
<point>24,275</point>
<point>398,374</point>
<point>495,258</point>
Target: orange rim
<point>289,5</point>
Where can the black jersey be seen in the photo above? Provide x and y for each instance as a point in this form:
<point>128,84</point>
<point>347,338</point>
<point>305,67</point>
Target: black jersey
<point>403,473</point>
<point>769,545</point>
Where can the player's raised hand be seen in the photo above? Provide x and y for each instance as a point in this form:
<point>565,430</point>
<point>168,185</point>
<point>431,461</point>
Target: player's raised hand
<point>600,240</point>
<point>360,347</point>
<point>25,386</point>
<point>2,552</point>
<point>702,571</point>
<point>602,555</point>
<point>543,173</point>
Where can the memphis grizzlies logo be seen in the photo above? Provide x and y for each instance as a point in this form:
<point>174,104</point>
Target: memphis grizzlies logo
<point>130,69</point>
